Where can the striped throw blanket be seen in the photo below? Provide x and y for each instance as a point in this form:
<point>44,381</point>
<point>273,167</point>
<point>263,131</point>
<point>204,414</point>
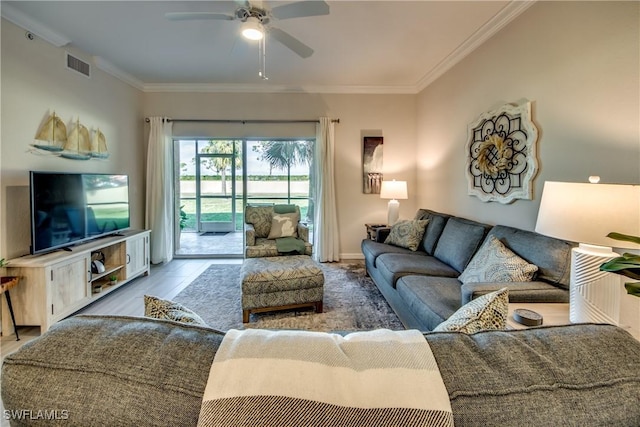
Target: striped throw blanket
<point>265,378</point>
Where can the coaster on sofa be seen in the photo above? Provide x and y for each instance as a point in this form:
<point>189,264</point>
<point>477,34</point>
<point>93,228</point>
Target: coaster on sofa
<point>407,233</point>
<point>494,262</point>
<point>157,308</point>
<point>487,312</point>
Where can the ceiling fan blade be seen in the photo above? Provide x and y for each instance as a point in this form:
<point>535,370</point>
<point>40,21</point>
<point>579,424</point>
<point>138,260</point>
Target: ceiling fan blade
<point>291,42</point>
<point>300,9</point>
<point>189,16</point>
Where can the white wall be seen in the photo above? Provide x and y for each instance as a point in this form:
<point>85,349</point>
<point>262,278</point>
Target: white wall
<point>34,82</point>
<point>392,116</point>
<point>578,63</point>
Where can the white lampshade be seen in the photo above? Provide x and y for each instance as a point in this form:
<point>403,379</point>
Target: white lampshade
<point>394,190</point>
<point>252,29</point>
<point>586,213</point>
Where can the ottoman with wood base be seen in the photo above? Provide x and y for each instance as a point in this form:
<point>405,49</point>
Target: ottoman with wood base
<point>278,283</point>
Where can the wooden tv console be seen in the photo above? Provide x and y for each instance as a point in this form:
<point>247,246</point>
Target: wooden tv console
<point>56,285</point>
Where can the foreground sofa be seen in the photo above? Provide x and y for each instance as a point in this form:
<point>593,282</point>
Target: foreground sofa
<point>422,286</point>
<point>127,371</point>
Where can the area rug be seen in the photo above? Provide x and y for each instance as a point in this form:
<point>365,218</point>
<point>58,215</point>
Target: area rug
<point>351,302</point>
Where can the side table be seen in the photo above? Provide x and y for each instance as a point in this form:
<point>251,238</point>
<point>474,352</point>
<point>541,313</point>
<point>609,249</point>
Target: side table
<point>552,314</point>
<point>7,283</point>
<point>372,230</point>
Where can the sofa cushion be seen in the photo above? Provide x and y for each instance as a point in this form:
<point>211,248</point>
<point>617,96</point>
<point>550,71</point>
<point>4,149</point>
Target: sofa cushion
<point>157,308</point>
<point>494,262</point>
<point>577,375</point>
<point>137,371</point>
<point>524,292</point>
<point>552,256</point>
<point>394,266</point>
<point>431,299</point>
<point>433,230</point>
<point>459,241</point>
<point>372,250</point>
<point>489,312</point>
<point>407,234</point>
<point>264,247</point>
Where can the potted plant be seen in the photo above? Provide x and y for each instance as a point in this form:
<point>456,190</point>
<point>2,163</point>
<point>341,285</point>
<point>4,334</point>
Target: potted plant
<point>3,263</point>
<point>627,265</point>
<point>113,279</point>
<point>183,217</point>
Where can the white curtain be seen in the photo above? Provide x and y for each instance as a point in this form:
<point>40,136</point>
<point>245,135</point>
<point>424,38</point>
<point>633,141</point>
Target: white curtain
<point>159,203</point>
<point>325,227</point>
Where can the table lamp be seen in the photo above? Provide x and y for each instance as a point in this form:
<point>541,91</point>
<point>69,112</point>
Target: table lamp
<point>586,213</point>
<point>393,190</point>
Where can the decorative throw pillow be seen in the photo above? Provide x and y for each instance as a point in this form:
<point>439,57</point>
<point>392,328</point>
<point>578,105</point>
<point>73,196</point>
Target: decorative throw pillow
<point>157,308</point>
<point>494,262</point>
<point>407,233</point>
<point>488,312</point>
<point>260,218</point>
<point>284,225</point>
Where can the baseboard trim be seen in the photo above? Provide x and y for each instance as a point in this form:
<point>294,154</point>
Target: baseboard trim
<point>357,255</point>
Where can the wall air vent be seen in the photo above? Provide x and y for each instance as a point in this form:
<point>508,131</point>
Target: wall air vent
<point>78,65</point>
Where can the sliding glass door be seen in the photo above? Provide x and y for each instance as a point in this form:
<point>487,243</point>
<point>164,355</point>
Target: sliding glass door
<point>279,171</point>
<point>215,191</point>
<point>216,178</point>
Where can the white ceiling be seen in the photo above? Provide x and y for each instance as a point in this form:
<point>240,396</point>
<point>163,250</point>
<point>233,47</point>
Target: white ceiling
<point>360,47</point>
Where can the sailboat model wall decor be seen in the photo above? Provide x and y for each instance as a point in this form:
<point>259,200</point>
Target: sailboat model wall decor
<point>99,145</point>
<point>52,136</point>
<point>78,146</point>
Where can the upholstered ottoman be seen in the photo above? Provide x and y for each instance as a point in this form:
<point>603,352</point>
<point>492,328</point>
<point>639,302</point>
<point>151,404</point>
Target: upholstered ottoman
<point>278,283</point>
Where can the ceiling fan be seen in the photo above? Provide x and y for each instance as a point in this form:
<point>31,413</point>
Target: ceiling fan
<point>256,20</point>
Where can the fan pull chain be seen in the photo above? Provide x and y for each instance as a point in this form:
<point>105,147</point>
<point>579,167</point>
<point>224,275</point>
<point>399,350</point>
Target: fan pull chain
<point>262,58</point>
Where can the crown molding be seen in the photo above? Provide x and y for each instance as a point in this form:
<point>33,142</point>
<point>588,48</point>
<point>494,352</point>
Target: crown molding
<point>266,88</point>
<point>116,72</point>
<point>12,14</point>
<point>507,14</point>
<point>484,33</point>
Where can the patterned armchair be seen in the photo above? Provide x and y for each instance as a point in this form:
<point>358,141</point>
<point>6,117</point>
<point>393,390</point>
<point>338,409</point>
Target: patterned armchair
<point>260,239</point>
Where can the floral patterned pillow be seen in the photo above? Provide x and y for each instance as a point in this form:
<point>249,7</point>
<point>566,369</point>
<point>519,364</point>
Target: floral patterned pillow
<point>157,308</point>
<point>407,233</point>
<point>488,312</point>
<point>494,262</point>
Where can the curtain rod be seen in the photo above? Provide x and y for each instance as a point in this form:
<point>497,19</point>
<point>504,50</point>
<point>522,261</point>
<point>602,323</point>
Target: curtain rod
<point>241,121</point>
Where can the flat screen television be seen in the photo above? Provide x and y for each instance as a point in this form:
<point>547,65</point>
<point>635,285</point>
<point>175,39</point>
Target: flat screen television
<point>70,208</point>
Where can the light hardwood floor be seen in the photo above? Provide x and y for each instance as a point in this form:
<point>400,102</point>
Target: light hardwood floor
<point>165,281</point>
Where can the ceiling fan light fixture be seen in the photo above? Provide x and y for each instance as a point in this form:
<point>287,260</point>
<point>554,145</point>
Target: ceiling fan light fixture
<point>252,29</point>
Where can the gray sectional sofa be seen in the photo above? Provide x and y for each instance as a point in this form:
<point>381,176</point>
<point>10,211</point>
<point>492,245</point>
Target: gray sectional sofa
<point>422,286</point>
<point>124,371</point>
